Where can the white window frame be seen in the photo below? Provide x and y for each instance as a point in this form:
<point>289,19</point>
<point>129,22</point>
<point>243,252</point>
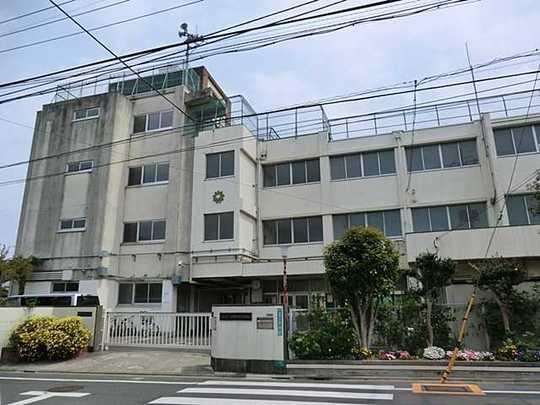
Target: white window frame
<point>449,219</point>
<point>378,151</point>
<point>290,163</point>
<point>72,229</point>
<point>365,214</point>
<point>65,287</point>
<point>132,301</point>
<point>441,158</point>
<point>291,222</point>
<point>160,128</point>
<point>527,208</point>
<point>139,229</point>
<point>142,183</point>
<point>79,170</point>
<point>219,214</point>
<point>86,117</point>
<point>220,154</point>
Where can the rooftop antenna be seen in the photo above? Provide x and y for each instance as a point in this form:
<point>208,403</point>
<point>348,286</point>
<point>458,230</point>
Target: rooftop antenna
<point>190,38</point>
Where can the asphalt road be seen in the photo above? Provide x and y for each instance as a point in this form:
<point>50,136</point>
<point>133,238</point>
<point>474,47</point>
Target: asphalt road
<point>62,389</point>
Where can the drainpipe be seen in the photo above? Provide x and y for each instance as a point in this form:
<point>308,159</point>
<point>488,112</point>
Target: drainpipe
<point>483,125</point>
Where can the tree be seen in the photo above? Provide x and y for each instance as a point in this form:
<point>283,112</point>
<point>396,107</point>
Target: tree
<point>19,270</point>
<point>500,276</point>
<point>433,273</point>
<point>361,268</point>
<point>3,263</point>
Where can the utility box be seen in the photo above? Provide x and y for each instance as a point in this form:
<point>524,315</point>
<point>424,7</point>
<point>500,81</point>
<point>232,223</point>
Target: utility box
<point>248,339</point>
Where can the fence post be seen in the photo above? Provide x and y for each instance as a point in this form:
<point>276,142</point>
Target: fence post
<point>105,332</point>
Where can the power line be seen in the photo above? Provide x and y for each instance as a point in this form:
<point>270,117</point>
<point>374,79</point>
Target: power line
<point>33,12</point>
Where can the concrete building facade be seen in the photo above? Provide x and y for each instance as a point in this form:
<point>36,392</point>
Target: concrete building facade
<point>156,211</point>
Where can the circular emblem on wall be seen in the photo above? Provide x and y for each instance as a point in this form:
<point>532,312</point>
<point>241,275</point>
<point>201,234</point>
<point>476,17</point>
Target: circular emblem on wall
<point>218,197</point>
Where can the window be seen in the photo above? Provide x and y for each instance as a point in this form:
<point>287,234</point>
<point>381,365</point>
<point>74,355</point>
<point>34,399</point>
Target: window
<point>65,287</point>
<point>139,293</point>
<point>219,164</point>
<point>524,139</point>
<point>443,218</point>
<point>152,121</point>
<point>219,226</point>
<point>297,172</point>
<point>293,230</point>
<point>444,155</point>
<point>85,165</point>
<point>389,222</point>
<point>151,173</point>
<point>144,231</point>
<point>86,114</point>
<point>523,209</point>
<point>76,224</point>
<point>362,164</point>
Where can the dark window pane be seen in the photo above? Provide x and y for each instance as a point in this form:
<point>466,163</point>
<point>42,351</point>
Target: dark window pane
<point>354,166</point>
<point>86,165</point>
<point>73,167</point>
<point>357,220</point>
<point>469,154</point>
<point>315,229</point>
<point>283,174</point>
<point>79,223</point>
<point>155,292</point>
<point>392,223</point>
<point>517,210</point>
<point>387,161</point>
<point>212,165</point>
<point>299,172</point>
<point>153,121</point>
<point>450,154</point>
<point>139,124</point>
<point>371,164</point>
<point>375,220</point>
<point>300,226</point>
<point>340,225</point>
<point>159,229</point>
<point>80,114</point>
<point>313,170</point>
<point>524,139</point>
<point>59,287</point>
<point>130,232</point>
<point>145,230</point>
<point>149,175</point>
<point>92,112</point>
<point>125,293</point>
<point>414,159</point>
<point>162,172</point>
<point>227,163</point>
<point>284,231</point>
<point>432,158</point>
<point>478,215</point>
<point>420,217</point>
<point>134,177</point>
<point>66,224</point>
<point>211,227</point>
<point>337,167</point>
<point>533,207</point>
<point>141,293</point>
<point>439,218</point>
<point>537,130</point>
<point>166,119</point>
<point>226,226</point>
<point>269,176</point>
<point>269,233</point>
<point>503,142</point>
<point>72,287</point>
<point>459,217</point>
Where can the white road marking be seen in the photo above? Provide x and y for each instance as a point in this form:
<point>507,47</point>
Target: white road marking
<point>223,401</point>
<point>291,393</point>
<point>302,385</point>
<point>513,392</point>
<point>43,395</point>
<point>98,381</point>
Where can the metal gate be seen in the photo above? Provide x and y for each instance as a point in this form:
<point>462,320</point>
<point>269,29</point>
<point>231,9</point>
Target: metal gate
<point>158,329</point>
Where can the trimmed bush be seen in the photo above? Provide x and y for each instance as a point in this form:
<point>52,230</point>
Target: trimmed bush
<point>48,338</point>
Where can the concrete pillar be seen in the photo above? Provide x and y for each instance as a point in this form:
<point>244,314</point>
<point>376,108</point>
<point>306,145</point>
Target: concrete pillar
<point>168,296</point>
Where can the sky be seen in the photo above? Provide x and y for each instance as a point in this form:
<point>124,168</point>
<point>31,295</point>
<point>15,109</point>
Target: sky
<point>362,57</point>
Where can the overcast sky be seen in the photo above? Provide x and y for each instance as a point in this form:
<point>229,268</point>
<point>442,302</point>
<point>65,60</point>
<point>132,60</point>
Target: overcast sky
<point>357,58</point>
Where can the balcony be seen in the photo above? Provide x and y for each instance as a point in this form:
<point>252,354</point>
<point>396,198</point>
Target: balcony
<point>470,244</point>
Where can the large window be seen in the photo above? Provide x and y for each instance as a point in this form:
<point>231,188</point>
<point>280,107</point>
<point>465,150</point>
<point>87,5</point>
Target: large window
<point>145,231</point>
<point>364,164</point>
<point>219,226</point>
<point>523,209</point>
<point>86,114</point>
<point>524,139</point>
<point>389,222</point>
<point>220,164</point>
<point>293,230</point>
<point>139,293</point>
<point>147,174</point>
<point>65,287</point>
<point>446,217</point>
<point>72,224</point>
<point>85,165</point>
<point>153,121</point>
<point>444,155</point>
<point>298,172</point>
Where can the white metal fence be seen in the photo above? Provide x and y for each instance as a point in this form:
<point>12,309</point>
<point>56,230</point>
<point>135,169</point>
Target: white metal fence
<point>158,329</point>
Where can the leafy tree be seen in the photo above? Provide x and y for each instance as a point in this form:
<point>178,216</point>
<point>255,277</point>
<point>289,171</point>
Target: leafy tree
<point>19,270</point>
<point>500,276</point>
<point>433,273</point>
<point>3,263</point>
<point>362,267</point>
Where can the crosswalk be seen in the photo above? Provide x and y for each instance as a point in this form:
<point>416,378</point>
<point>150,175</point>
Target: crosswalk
<point>278,393</point>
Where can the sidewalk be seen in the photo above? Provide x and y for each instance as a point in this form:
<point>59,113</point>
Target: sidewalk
<point>144,362</point>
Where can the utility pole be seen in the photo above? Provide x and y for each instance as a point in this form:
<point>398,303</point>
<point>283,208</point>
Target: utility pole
<point>284,256</point>
<point>190,38</point>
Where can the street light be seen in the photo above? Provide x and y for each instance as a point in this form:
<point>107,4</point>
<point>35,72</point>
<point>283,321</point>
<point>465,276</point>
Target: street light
<point>284,256</point>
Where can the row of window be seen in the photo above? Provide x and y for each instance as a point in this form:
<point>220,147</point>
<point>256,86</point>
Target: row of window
<point>139,293</point>
<point>73,224</point>
<point>446,217</point>
<point>362,164</point>
<point>142,231</point>
<point>298,172</point>
<point>146,174</point>
<point>79,166</point>
<point>451,154</point>
<point>388,222</point>
<point>293,230</point>
<point>152,121</point>
<point>220,164</point>
<point>86,113</point>
<point>523,139</point>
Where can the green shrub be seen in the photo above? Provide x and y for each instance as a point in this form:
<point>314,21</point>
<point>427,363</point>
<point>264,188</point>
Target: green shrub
<point>47,338</point>
<point>330,337</point>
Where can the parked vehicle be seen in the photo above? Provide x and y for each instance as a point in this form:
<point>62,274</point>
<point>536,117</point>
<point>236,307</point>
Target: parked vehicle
<point>53,300</point>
